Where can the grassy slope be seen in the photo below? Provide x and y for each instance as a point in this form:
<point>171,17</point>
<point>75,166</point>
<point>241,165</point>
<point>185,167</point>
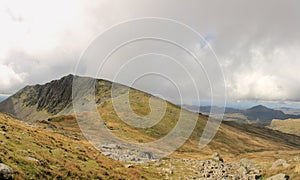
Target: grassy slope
<point>233,140</point>
<point>59,156</point>
<point>291,126</point>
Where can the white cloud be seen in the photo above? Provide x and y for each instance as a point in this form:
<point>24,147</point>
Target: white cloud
<point>257,42</point>
<point>9,78</point>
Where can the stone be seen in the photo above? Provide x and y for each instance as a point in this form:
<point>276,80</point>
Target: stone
<point>5,172</point>
<point>242,170</point>
<point>217,157</point>
<point>246,163</point>
<point>279,177</point>
<point>129,166</point>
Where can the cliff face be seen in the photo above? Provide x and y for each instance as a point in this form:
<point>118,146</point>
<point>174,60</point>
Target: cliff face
<point>49,99</point>
<point>54,98</point>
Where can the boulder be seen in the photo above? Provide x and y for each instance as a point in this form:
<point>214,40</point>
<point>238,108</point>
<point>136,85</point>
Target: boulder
<point>129,166</point>
<point>5,172</point>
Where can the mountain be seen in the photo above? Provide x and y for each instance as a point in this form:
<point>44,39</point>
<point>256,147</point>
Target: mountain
<point>263,115</point>
<point>207,109</point>
<point>288,110</point>
<point>40,101</point>
<point>49,107</point>
<point>258,114</point>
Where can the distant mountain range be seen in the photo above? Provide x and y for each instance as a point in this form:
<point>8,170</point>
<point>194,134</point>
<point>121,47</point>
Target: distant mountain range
<point>3,97</point>
<point>258,114</point>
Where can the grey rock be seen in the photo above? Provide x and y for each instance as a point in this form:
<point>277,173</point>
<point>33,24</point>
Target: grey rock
<point>242,170</point>
<point>5,172</point>
<point>129,166</point>
<point>246,163</point>
<point>217,157</point>
<point>147,155</point>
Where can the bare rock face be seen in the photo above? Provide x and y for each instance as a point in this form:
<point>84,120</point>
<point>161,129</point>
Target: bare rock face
<point>279,177</point>
<point>5,172</point>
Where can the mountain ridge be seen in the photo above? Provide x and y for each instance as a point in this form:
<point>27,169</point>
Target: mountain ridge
<point>257,114</point>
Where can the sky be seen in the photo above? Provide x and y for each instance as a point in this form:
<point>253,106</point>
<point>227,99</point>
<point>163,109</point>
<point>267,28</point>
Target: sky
<point>257,43</point>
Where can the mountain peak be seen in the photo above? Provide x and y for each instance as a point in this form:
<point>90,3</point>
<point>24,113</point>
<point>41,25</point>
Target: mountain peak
<point>258,107</point>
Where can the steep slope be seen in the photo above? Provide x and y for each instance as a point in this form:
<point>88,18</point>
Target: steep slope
<point>39,101</point>
<point>42,101</point>
<point>34,153</point>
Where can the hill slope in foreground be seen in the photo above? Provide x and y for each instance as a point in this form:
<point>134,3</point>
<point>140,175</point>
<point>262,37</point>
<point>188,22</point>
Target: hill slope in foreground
<point>34,153</point>
<point>49,107</point>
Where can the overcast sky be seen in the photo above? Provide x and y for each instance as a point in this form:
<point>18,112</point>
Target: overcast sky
<point>257,42</point>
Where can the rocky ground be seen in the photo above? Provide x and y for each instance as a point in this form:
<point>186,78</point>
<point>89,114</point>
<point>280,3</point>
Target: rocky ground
<point>120,153</point>
<point>214,168</point>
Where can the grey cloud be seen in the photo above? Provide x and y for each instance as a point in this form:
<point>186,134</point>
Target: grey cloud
<point>257,42</point>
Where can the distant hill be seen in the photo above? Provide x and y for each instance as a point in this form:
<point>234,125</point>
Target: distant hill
<point>258,114</point>
<point>289,110</point>
<point>263,115</point>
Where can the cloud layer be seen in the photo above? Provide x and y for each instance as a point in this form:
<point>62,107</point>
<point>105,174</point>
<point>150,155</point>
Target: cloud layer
<point>257,42</point>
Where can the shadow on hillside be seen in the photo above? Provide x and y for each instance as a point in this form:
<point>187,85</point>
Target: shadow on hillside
<point>7,106</point>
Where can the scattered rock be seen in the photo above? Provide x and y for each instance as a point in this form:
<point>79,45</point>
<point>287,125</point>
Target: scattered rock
<point>242,170</point>
<point>5,172</point>
<point>147,155</point>
<point>125,154</point>
<point>216,169</point>
<point>279,177</point>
